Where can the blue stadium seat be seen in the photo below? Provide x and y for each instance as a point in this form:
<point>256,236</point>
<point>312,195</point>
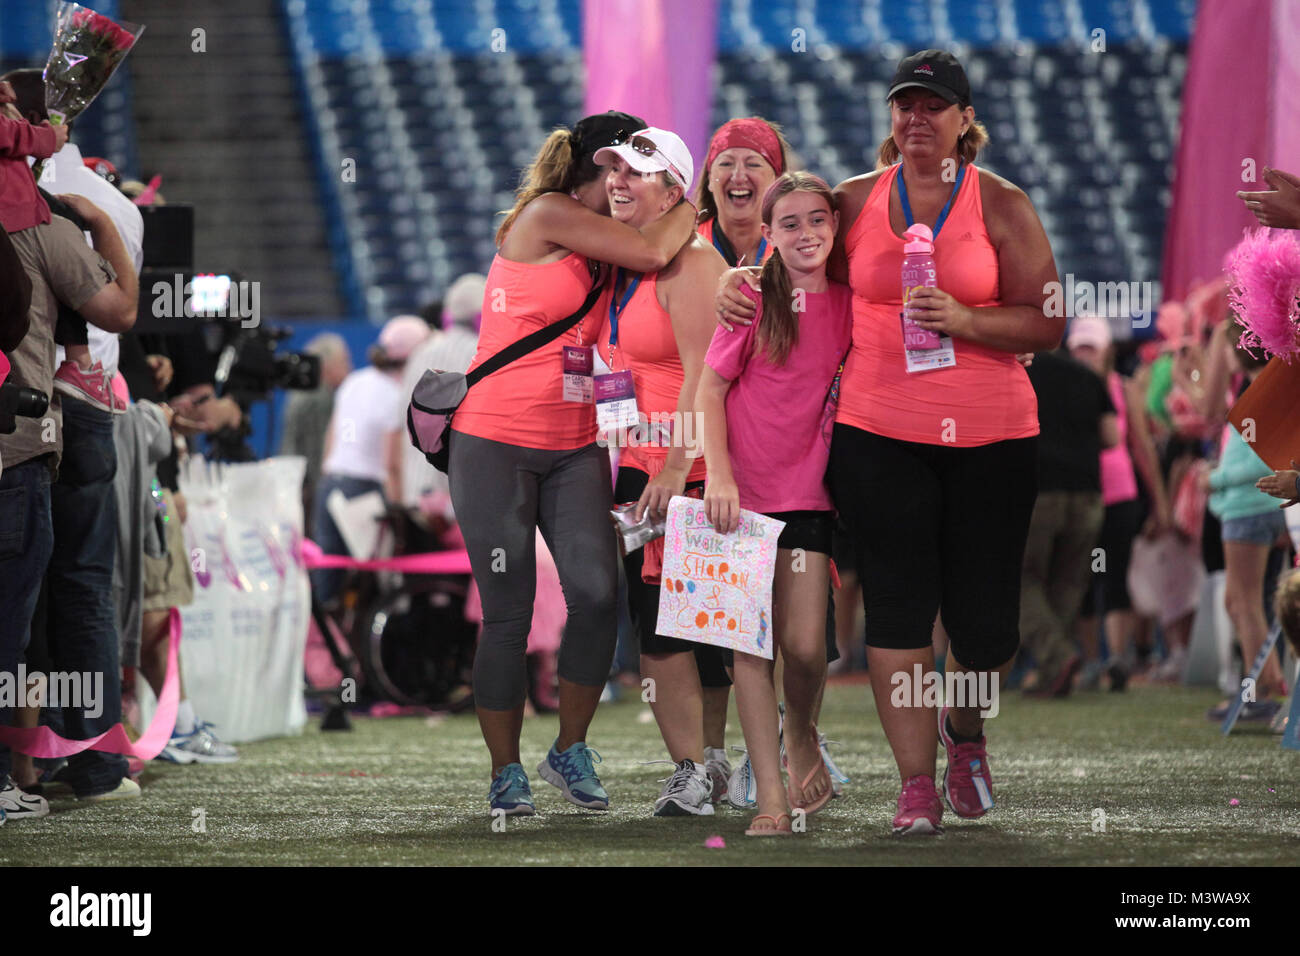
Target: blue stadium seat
<point>1088,136</point>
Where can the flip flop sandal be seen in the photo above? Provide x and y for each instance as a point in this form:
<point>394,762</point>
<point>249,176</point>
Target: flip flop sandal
<point>776,829</point>
<point>797,800</point>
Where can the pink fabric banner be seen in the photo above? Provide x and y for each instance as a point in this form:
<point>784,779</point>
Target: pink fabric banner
<point>654,59</point>
<point>43,742</point>
<point>434,562</point>
<point>1240,113</point>
<point>1284,66</point>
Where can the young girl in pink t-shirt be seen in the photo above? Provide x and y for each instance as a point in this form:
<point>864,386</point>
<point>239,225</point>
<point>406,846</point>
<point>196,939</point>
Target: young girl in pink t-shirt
<point>766,409</point>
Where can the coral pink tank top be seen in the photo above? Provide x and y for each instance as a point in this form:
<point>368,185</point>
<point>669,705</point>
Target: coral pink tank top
<point>647,348</point>
<point>523,403</point>
<point>984,398</point>
<point>1118,483</point>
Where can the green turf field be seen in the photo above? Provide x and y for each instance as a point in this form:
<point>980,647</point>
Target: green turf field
<point>411,791</point>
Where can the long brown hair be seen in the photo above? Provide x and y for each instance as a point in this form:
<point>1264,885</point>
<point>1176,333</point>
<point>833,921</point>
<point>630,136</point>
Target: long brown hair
<point>552,170</point>
<point>704,201</point>
<point>778,327</point>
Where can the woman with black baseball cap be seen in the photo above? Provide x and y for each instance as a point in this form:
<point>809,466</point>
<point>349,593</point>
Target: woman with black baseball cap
<point>523,453</point>
<point>933,458</point>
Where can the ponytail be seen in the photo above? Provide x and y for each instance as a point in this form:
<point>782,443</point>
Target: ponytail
<point>552,170</point>
<point>778,329</point>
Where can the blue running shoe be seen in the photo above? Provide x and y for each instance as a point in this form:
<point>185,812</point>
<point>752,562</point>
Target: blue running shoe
<point>575,774</point>
<point>510,792</point>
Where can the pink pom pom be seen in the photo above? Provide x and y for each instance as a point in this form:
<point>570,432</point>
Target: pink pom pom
<point>1264,273</point>
<point>715,843</point>
<point>1234,802</point>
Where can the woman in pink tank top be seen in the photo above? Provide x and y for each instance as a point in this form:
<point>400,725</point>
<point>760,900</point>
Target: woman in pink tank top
<point>745,157</point>
<point>933,457</point>
<point>523,454</point>
<point>657,328</point>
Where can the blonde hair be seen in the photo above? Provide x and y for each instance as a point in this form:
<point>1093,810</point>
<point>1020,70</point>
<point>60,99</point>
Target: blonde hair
<point>1287,606</point>
<point>554,169</point>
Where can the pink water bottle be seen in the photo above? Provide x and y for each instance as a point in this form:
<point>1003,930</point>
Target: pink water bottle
<point>918,271</point>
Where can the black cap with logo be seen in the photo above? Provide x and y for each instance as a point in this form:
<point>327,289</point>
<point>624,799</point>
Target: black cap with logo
<point>935,70</point>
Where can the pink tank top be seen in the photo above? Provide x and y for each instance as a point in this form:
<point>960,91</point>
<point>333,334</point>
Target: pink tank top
<point>647,347</point>
<point>984,398</point>
<point>523,403</point>
<point>1118,483</point>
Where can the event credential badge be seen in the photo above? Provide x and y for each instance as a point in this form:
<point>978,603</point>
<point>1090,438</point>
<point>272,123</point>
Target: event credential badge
<point>926,360</point>
<point>615,402</point>
<point>578,364</point>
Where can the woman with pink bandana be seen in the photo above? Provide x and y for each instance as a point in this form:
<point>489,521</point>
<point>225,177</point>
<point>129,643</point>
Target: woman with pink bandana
<point>745,157</point>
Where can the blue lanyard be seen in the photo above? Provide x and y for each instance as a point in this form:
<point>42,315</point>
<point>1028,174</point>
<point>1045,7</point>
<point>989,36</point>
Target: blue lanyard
<point>615,310</point>
<point>943,213</point>
<point>758,257</point>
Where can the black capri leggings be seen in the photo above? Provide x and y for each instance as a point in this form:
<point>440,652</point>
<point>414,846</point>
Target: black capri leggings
<point>1109,589</point>
<point>938,528</point>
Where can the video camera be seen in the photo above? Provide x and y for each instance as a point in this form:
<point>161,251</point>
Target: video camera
<point>250,368</point>
<point>226,309</point>
<point>16,402</point>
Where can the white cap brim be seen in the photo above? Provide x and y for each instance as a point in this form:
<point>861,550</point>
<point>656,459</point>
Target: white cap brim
<point>638,161</point>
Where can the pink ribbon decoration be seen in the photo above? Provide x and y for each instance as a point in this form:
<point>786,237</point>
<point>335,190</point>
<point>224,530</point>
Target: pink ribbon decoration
<point>146,197</point>
<point>44,742</point>
<point>434,562</point>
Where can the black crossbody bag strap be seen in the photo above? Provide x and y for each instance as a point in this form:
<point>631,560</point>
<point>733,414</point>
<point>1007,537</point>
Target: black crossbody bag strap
<point>534,340</point>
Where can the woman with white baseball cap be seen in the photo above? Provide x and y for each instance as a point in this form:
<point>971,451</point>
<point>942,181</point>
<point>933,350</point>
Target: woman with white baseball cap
<point>363,445</point>
<point>523,454</point>
<point>658,327</point>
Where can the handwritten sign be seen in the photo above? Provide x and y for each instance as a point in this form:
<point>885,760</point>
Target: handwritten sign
<point>717,588</point>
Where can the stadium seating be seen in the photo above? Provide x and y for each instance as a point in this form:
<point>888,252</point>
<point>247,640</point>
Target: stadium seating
<point>441,103</point>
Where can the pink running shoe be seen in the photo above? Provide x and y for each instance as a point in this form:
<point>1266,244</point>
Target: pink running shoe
<point>919,808</point>
<point>967,783</point>
<point>91,386</point>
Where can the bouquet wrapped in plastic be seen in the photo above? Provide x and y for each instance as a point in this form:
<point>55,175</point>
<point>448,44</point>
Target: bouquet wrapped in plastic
<point>88,48</point>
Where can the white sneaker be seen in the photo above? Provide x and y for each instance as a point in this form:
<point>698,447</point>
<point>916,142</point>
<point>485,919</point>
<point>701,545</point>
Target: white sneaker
<point>838,777</point>
<point>741,791</point>
<point>1171,669</point>
<point>686,792</point>
<point>128,789</point>
<point>17,804</point>
<point>199,746</point>
<point>718,770</point>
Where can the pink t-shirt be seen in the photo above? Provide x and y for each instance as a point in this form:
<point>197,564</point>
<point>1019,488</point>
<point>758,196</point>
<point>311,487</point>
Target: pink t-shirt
<point>778,420</point>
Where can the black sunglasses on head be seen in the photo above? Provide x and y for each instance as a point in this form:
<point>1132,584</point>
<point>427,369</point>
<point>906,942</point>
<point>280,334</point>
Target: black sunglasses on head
<point>646,147</point>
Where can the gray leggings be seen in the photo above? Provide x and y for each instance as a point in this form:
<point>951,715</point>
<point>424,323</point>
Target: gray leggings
<point>502,494</point>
